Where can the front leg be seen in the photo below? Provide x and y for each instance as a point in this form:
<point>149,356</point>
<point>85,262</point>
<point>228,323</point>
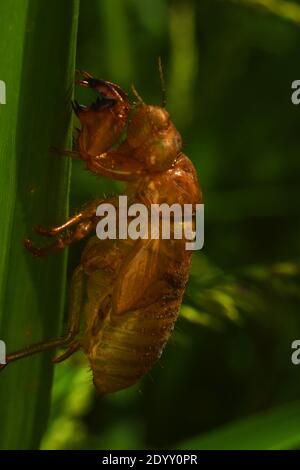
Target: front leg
<point>117,165</point>
<point>87,212</point>
<point>81,231</point>
<point>85,221</point>
<point>54,231</point>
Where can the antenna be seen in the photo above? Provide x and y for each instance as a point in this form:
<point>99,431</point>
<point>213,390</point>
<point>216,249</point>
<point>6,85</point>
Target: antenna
<point>162,84</point>
<point>136,94</point>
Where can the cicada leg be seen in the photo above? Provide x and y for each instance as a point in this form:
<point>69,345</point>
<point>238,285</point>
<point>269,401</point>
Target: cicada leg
<point>37,348</point>
<point>88,212</point>
<point>86,221</point>
<point>73,328</point>
<point>81,231</point>
<point>73,347</point>
<point>84,73</point>
<point>68,153</point>
<point>54,231</point>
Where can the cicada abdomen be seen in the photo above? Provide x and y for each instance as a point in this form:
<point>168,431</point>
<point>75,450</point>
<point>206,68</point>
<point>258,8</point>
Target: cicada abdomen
<point>127,331</point>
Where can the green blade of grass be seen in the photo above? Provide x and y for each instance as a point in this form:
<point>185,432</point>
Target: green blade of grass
<point>37,50</point>
<point>287,10</point>
<point>277,429</point>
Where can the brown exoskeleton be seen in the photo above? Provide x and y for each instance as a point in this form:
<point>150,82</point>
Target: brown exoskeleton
<point>133,290</point>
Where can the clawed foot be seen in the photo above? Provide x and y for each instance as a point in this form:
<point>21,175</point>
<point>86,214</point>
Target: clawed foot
<point>65,153</point>
<point>38,252</point>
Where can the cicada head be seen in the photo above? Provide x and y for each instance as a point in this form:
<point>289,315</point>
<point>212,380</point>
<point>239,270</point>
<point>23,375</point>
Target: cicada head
<point>154,137</point>
<point>103,121</point>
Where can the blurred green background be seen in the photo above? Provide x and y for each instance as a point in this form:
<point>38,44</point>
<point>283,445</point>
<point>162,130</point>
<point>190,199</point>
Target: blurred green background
<point>225,379</point>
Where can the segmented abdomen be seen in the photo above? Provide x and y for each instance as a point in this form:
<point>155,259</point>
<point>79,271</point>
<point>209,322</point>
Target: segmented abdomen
<point>128,346</point>
<point>122,347</point>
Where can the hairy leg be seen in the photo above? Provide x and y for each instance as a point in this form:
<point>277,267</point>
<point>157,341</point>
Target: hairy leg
<point>54,231</point>
<point>81,231</point>
<point>85,221</point>
<point>85,214</point>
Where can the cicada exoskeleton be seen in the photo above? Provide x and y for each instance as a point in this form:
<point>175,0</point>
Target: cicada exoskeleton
<point>128,291</point>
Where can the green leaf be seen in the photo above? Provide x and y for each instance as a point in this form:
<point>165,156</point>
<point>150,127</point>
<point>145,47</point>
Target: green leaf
<point>277,429</point>
<point>37,50</point>
<point>287,10</point>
